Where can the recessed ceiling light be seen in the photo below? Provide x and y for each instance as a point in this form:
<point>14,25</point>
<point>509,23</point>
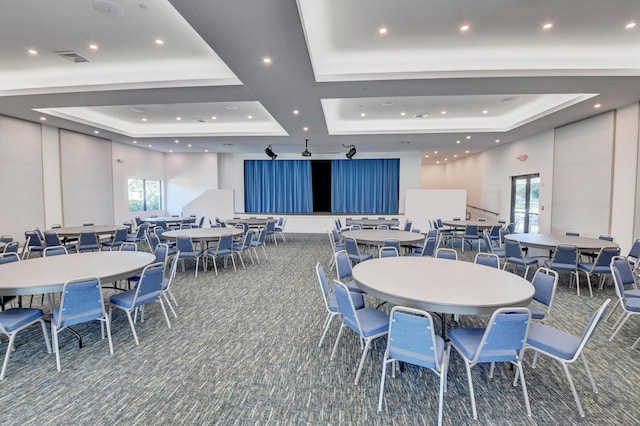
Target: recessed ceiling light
<point>457,141</point>
<point>363,114</point>
<point>206,150</point>
<point>93,46</point>
<point>159,41</point>
<point>266,60</point>
<point>382,30</point>
<point>445,159</point>
<point>388,103</point>
<point>296,112</point>
<point>426,156</point>
<point>403,113</point>
<point>468,137</point>
<point>464,27</point>
<point>32,51</point>
<point>497,140</point>
<point>213,117</point>
<point>189,145</point>
<point>597,106</point>
<point>43,118</point>
<point>250,117</point>
<point>176,141</point>
<point>170,150</point>
<point>547,26</point>
<point>179,118</point>
<point>150,145</point>
<point>466,152</point>
<point>144,119</point>
<point>96,132</point>
<point>485,111</point>
<point>305,128</point>
<point>455,155</point>
<point>437,162</point>
<point>435,152</point>
<point>630,25</point>
<point>443,112</point>
<point>231,107</point>
<point>134,141</point>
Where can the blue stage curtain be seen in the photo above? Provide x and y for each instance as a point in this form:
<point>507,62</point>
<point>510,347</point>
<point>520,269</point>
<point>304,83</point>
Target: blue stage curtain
<point>365,186</point>
<point>282,186</point>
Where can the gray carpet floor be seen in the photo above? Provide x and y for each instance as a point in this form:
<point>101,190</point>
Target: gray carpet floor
<point>243,350</point>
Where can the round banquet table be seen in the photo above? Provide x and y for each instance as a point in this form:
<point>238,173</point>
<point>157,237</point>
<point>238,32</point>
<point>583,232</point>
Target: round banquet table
<point>256,222</point>
<point>75,231</point>
<point>377,237</point>
<point>464,223</point>
<point>48,274</point>
<point>202,234</point>
<point>168,219</point>
<point>372,223</point>
<point>549,241</point>
<point>442,285</point>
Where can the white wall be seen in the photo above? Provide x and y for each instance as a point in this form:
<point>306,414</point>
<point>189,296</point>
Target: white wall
<point>51,176</point>
<point>625,164</point>
<point>487,176</point>
<point>187,177</point>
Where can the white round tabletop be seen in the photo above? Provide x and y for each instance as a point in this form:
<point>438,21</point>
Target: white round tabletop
<point>168,219</point>
<point>464,223</point>
<point>202,234</point>
<point>255,222</point>
<point>372,223</point>
<point>74,231</point>
<point>442,285</point>
<point>48,274</point>
<point>374,236</point>
<point>549,241</point>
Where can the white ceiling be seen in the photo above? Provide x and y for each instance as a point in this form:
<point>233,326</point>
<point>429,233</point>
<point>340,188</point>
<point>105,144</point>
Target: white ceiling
<point>207,86</point>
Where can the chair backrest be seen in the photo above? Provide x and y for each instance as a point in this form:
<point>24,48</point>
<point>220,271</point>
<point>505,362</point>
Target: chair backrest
<point>565,254</point>
<point>81,301</point>
<point>445,253</point>
<point>39,233</point>
<point>343,265</point>
<point>429,247</point>
<point>392,242</point>
<point>201,223</point>
<point>408,224</point>
<point>487,241</point>
<point>153,239</point>
<point>88,224</point>
<point>88,237</point>
<point>324,284</point>
<point>150,283</point>
<point>158,230</point>
<point>142,229</point>
<point>346,306</point>
<point>120,235</point>
<point>6,238</point>
<point>572,234</point>
<point>383,227</point>
<point>388,251</point>
<point>471,231</point>
<point>544,283</point>
<point>355,226</point>
<point>225,242</point>
<point>11,247</point>
<point>495,231</point>
<point>185,245</point>
<point>432,233</point>
<point>9,258</point>
<point>622,275</point>
<point>161,252</point>
<point>32,238</point>
<point>54,251</point>
<point>595,320</point>
<point>162,223</point>
<point>605,237</point>
<point>166,283</point>
<point>271,226</point>
<point>605,255</point>
<point>634,252</point>
<point>128,247</point>
<point>351,245</point>
<point>411,331</point>
<point>51,239</point>
<point>512,249</point>
<point>332,238</point>
<point>505,335</point>
<point>482,219</point>
<point>248,237</point>
<point>487,259</point>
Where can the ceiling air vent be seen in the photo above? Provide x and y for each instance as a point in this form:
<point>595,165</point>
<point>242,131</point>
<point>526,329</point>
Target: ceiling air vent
<point>198,120</point>
<point>421,115</point>
<point>72,56</point>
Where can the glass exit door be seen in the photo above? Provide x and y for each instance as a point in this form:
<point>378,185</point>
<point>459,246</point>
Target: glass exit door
<point>525,202</point>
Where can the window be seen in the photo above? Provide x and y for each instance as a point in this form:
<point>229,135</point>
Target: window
<point>145,195</point>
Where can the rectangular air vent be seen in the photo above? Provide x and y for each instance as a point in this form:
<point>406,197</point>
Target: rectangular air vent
<point>421,115</point>
<point>72,56</point>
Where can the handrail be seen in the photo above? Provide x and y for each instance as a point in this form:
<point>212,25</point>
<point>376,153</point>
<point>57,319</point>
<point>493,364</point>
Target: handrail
<point>483,210</point>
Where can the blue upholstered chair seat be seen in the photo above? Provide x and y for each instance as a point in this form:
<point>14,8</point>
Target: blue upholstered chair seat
<point>468,340</point>
<point>585,266</point>
<point>526,262</point>
<point>553,341</point>
<point>76,319</point>
<point>570,267</point>
<point>536,313</point>
<point>15,318</point>
<point>371,320</point>
<point>125,298</point>
<point>632,293</point>
<point>418,358</point>
<point>358,301</point>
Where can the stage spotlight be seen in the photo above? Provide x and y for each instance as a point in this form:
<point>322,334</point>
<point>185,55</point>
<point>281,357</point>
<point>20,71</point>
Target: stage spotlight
<point>352,151</point>
<point>270,153</point>
<point>306,152</point>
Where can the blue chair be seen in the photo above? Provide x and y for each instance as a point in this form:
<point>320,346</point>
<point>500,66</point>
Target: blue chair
<point>336,245</point>
<point>279,228</point>
<point>7,258</point>
<point>148,290</point>
<point>81,302</point>
<point>487,259</point>
<point>259,241</point>
<point>128,246</point>
<point>6,238</point>
<point>33,244</point>
<point>51,239</point>
<point>565,259</point>
<point>392,242</point>
<point>514,256</point>
<point>88,242</point>
<point>119,237</point>
<point>564,347</point>
<point>388,251</point>
<point>11,247</point>
<point>545,282</point>
<point>270,229</point>
<point>427,250</point>
<point>631,305</point>
<point>139,236</point>
<point>502,341</point>
<point>166,285</point>
<point>224,250</point>
<point>412,339</point>
<point>626,277</point>
<point>54,251</point>
<point>498,251</point>
<point>634,253</point>
<point>445,253</point>
<point>494,234</point>
<point>471,235</point>
<point>344,271</point>
<point>351,246</point>
<point>368,323</point>
<point>330,303</point>
<point>188,251</point>
<point>572,233</point>
<point>600,266</point>
<point>244,247</point>
<point>14,320</point>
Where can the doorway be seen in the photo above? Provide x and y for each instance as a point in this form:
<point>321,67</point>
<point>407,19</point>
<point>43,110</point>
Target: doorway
<point>525,202</point>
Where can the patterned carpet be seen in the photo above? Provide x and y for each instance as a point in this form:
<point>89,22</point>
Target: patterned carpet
<point>243,350</point>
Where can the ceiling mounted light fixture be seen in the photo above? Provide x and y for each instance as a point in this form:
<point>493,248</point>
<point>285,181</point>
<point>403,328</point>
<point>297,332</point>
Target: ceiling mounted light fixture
<point>270,153</point>
<point>352,151</point>
<point>306,152</point>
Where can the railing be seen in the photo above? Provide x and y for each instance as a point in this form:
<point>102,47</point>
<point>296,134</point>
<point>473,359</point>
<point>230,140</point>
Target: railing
<point>479,211</point>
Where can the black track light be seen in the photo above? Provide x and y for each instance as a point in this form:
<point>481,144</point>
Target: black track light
<point>270,153</point>
<point>352,151</point>
<point>306,152</point>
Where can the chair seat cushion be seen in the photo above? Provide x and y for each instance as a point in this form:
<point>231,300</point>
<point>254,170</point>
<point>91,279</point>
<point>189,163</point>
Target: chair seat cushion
<point>358,301</point>
<point>372,321</point>
<point>632,293</point>
<point>351,285</point>
<point>632,304</point>
<point>536,313</point>
<point>125,299</point>
<point>526,262</point>
<point>419,358</point>
<point>467,340</point>
<point>560,266</point>
<point>553,341</point>
<point>14,318</point>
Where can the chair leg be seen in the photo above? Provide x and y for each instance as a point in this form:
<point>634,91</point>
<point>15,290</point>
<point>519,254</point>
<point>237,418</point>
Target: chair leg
<point>471,393</point>
<point>524,389</point>
<point>166,298</point>
<point>164,311</point>
<point>613,308</point>
<point>624,319</point>
<point>384,373</point>
<point>133,327</point>
<point>107,323</point>
<point>327,323</point>
<point>12,337</point>
<point>335,345</point>
<point>573,388</point>
<point>364,356</point>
